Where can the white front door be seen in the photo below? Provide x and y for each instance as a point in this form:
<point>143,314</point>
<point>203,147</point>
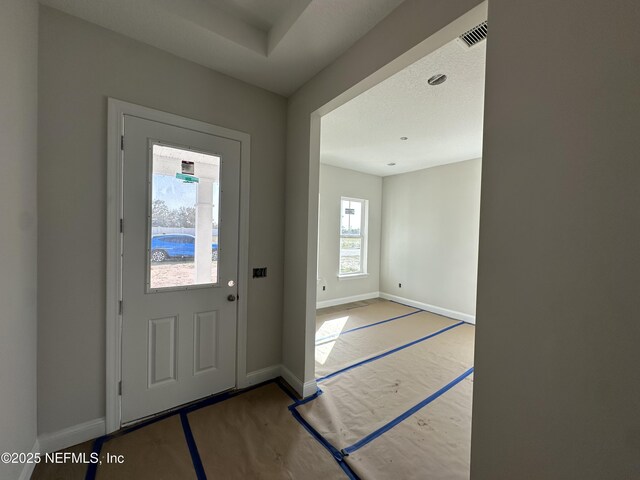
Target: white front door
<point>179,266</point>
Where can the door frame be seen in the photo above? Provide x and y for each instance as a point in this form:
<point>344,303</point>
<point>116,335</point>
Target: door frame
<point>430,44</point>
<point>117,109</point>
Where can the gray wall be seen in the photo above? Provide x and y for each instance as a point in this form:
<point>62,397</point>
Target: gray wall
<point>336,183</point>
<point>430,223</point>
<point>80,66</point>
<point>557,348</point>
<point>557,354</point>
<point>18,235</point>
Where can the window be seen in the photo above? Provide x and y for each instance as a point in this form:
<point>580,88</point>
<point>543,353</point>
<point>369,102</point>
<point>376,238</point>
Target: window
<point>183,246</point>
<point>353,236</point>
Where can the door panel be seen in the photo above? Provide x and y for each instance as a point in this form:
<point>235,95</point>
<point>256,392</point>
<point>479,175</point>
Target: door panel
<point>205,342</point>
<point>162,350</point>
<point>179,329</point>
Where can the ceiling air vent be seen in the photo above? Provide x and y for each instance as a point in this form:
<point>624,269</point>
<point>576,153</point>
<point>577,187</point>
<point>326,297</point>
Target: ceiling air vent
<point>475,35</point>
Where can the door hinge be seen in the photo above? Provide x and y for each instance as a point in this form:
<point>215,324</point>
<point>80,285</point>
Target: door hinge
<point>121,225</point>
<point>120,388</point>
<point>122,142</point>
<point>120,307</point>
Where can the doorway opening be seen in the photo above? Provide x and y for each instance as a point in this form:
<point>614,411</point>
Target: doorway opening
<point>396,273</point>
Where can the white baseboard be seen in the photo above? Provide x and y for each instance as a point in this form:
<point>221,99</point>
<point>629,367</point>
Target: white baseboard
<point>262,375</point>
<point>465,317</point>
<point>275,371</point>
<point>52,442</point>
<point>27,469</point>
<point>343,300</point>
<point>309,388</point>
<point>304,389</point>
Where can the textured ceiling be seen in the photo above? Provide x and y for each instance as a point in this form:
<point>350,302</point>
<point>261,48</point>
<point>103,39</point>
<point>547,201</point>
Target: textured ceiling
<point>443,123</point>
<point>275,44</point>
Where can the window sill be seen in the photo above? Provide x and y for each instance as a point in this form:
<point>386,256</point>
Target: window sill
<point>353,276</point>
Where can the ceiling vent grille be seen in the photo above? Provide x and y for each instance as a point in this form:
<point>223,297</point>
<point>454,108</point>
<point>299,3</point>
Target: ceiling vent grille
<point>475,35</point>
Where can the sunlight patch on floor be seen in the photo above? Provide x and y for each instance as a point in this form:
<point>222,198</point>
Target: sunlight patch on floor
<point>329,331</point>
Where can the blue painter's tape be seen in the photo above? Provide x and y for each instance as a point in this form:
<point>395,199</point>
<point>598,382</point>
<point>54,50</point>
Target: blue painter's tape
<point>372,436</point>
<point>315,434</point>
<point>319,341</point>
<point>337,455</point>
<point>348,472</point>
<point>212,400</point>
<point>193,448</point>
<point>286,389</point>
<point>310,398</point>
<point>388,352</point>
<point>183,411</point>
<point>93,467</point>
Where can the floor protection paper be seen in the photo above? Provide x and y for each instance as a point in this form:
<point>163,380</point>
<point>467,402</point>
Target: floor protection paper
<point>330,324</point>
<point>255,436</point>
<point>400,403</point>
<point>157,451</point>
<point>435,442</point>
<point>336,353</point>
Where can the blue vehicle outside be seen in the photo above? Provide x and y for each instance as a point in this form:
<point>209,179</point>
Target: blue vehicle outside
<point>176,246</point>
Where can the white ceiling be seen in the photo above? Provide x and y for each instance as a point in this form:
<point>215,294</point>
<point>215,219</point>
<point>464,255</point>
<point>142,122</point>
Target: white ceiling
<point>275,44</point>
<point>443,123</point>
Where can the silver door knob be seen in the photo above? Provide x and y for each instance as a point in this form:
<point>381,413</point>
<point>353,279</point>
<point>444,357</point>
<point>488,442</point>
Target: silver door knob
<point>231,298</point>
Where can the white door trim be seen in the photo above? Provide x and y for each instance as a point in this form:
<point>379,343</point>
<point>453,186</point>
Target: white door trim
<point>115,128</point>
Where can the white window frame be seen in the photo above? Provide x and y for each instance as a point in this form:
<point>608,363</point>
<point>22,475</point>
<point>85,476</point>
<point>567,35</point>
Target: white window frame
<point>364,230</point>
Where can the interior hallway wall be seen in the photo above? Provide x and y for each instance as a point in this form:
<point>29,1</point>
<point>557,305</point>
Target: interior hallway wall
<point>430,228</point>
<point>80,66</point>
<point>335,183</point>
<point>557,346</point>
<point>557,308</point>
<point>18,228</point>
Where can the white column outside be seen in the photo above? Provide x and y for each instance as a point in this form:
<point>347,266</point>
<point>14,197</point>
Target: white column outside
<point>204,222</point>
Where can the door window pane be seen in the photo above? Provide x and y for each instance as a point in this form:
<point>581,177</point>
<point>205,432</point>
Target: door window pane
<point>185,198</point>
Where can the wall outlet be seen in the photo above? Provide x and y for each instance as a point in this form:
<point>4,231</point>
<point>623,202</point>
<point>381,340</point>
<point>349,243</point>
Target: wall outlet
<point>399,285</point>
<point>260,272</point>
